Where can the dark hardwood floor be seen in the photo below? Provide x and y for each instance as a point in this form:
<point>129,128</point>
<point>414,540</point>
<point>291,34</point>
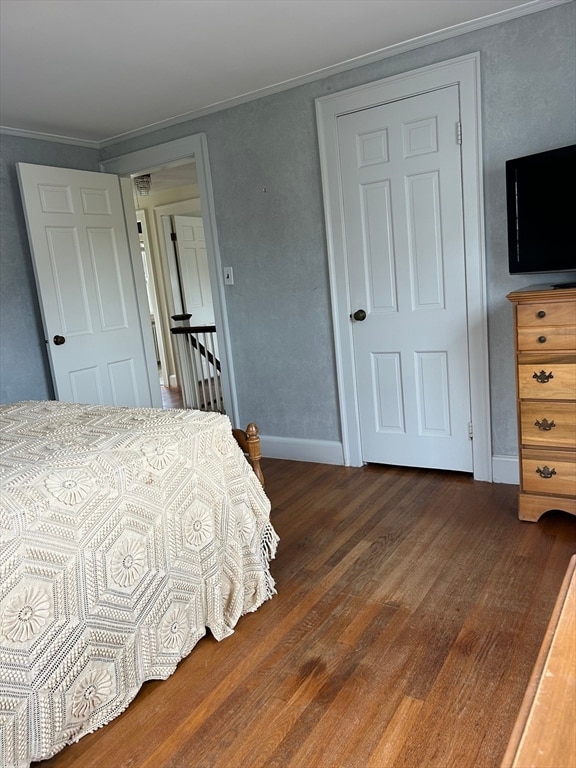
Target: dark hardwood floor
<point>171,397</point>
<point>410,609</point>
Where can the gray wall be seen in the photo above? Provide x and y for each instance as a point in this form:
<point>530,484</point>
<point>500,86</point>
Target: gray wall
<point>529,105</point>
<point>24,371</point>
<point>275,240</point>
<point>279,307</point>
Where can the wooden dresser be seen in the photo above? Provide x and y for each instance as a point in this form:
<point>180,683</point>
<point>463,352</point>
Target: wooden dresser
<point>545,331</point>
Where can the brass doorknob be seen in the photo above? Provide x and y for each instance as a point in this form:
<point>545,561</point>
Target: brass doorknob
<point>58,340</point>
<point>359,315</point>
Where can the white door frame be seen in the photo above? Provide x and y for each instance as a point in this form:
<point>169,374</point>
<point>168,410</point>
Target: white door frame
<point>193,147</point>
<point>140,284</point>
<point>464,71</point>
<point>154,293</point>
<point>182,208</point>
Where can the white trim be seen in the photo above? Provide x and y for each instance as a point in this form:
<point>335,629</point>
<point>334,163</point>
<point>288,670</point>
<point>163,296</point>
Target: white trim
<point>167,264</point>
<point>154,293</point>
<point>152,158</point>
<point>506,469</point>
<point>127,195</point>
<point>147,160</point>
<point>526,9</point>
<point>464,71</point>
<point>22,133</point>
<point>297,449</point>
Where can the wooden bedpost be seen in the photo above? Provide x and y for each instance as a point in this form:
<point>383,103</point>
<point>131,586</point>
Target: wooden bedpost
<point>249,442</point>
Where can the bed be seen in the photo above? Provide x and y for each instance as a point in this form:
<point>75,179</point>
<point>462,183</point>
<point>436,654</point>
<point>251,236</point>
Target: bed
<point>125,534</point>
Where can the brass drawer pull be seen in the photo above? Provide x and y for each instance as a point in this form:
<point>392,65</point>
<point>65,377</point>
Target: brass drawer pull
<point>541,314</point>
<point>546,472</point>
<point>544,425</point>
<point>543,377</point>
<point>542,339</point>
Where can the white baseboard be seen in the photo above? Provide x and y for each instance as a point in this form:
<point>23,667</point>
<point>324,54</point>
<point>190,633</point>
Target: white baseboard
<point>296,449</point>
<point>505,469</point>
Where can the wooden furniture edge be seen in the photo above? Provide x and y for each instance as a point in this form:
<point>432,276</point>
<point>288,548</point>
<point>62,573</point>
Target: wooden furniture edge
<point>532,507</point>
<point>249,441</point>
<point>545,291</point>
<point>522,724</point>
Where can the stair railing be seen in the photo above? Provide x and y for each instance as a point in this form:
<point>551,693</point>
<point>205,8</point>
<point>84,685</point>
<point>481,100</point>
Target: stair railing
<point>199,366</point>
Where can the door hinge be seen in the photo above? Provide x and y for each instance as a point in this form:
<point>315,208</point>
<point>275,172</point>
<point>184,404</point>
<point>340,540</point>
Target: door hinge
<point>470,430</point>
<point>173,237</point>
<point>458,132</point>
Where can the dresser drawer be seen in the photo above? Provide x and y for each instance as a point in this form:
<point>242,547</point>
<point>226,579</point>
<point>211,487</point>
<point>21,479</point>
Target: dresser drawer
<point>551,423</point>
<point>547,337</point>
<point>546,313</point>
<point>546,471</point>
<point>546,380</point>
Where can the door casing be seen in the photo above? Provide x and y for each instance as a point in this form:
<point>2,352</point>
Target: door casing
<point>193,147</point>
<point>464,71</point>
<point>154,292</point>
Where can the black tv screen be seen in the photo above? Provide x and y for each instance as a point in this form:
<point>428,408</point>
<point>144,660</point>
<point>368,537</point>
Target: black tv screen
<point>541,207</point>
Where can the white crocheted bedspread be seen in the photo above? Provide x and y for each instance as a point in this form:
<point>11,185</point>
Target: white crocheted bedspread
<point>124,534</point>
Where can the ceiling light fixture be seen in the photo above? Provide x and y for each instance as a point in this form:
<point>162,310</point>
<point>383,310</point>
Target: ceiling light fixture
<point>143,184</point>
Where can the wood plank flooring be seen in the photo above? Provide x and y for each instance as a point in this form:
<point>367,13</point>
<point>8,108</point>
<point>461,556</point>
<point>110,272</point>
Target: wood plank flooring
<point>410,610</point>
<point>171,397</point>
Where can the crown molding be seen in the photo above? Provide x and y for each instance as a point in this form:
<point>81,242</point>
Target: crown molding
<point>39,136</point>
<point>534,6</point>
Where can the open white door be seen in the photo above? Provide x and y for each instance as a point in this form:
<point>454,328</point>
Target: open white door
<point>86,285</point>
<point>193,261</point>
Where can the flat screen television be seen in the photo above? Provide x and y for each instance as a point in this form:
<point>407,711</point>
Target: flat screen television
<point>541,207</point>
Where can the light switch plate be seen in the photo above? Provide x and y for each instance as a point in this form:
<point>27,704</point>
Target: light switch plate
<point>228,276</point>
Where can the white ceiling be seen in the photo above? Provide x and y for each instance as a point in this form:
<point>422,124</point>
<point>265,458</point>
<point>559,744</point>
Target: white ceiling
<point>97,69</point>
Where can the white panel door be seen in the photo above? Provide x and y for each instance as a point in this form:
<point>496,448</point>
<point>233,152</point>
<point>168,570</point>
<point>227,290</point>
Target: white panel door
<point>402,199</point>
<point>86,286</point>
<point>194,275</point>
